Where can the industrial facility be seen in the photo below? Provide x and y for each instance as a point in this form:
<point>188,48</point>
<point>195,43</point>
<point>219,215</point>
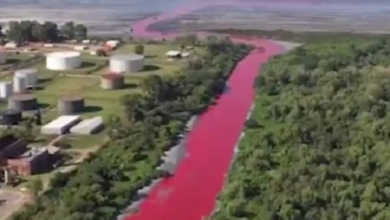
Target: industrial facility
<point>70,105</point>
<point>112,81</point>
<point>66,60</point>
<point>130,63</point>
<point>31,76</point>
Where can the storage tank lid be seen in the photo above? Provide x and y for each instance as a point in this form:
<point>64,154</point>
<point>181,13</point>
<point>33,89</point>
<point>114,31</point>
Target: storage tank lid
<point>22,97</point>
<point>72,98</point>
<point>127,57</point>
<point>64,54</point>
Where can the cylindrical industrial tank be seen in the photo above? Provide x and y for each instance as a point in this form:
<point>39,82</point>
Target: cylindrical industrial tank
<point>112,81</point>
<point>3,57</point>
<point>31,76</point>
<point>66,60</point>
<point>23,102</point>
<point>11,117</point>
<point>20,84</point>
<point>70,105</point>
<point>6,89</point>
<point>126,63</point>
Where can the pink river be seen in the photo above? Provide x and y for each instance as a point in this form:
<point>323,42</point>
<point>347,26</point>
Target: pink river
<point>192,192</point>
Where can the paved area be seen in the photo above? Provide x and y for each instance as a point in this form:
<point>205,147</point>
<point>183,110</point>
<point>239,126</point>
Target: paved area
<point>10,202</point>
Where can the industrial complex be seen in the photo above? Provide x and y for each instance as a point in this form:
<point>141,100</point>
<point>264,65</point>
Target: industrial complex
<point>69,90</point>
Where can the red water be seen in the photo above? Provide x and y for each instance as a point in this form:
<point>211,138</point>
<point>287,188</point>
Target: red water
<point>192,192</point>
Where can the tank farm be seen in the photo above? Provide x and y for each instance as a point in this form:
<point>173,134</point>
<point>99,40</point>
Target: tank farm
<point>192,192</point>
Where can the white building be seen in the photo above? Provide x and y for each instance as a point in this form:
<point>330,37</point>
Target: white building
<point>173,54</point>
<point>60,125</point>
<point>11,45</point>
<point>88,126</point>
<point>113,43</point>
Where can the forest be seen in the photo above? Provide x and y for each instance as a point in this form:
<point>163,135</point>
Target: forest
<point>317,145</point>
<point>104,185</point>
<point>33,31</point>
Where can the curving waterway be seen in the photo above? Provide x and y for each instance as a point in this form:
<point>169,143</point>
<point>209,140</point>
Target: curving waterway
<point>192,192</point>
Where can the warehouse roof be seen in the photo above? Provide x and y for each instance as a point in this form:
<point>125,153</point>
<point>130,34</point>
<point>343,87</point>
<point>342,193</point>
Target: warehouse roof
<point>87,126</point>
<point>62,121</point>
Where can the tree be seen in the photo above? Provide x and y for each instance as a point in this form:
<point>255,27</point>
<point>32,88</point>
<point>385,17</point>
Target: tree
<point>139,49</point>
<point>80,32</point>
<point>101,53</point>
<point>68,30</point>
<point>36,186</point>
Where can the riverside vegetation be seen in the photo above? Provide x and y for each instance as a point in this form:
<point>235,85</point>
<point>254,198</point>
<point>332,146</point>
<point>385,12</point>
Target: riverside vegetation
<point>318,143</point>
<point>106,183</point>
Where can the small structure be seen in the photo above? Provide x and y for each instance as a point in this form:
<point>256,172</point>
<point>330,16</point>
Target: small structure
<point>113,43</point>
<point>6,89</point>
<point>70,105</point>
<point>11,117</point>
<point>66,60</point>
<point>48,45</point>
<point>80,48</point>
<point>11,45</point>
<point>31,76</point>
<point>173,54</point>
<point>185,54</point>
<point>126,63</point>
<point>10,147</point>
<point>86,41</point>
<point>112,81</point>
<point>88,126</point>
<point>3,57</point>
<point>23,102</point>
<point>61,125</point>
<point>20,84</point>
<point>34,161</point>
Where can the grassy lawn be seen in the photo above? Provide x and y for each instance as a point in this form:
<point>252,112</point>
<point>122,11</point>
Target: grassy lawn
<point>84,142</point>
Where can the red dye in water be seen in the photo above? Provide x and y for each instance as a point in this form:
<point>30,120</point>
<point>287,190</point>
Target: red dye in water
<point>192,192</point>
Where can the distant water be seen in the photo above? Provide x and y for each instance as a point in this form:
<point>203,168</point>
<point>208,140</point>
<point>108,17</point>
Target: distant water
<point>101,16</point>
<point>116,16</point>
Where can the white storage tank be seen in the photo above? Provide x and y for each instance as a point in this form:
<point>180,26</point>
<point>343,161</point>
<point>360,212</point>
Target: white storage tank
<point>3,57</point>
<point>20,84</point>
<point>6,89</point>
<point>31,76</point>
<point>126,63</point>
<point>66,60</point>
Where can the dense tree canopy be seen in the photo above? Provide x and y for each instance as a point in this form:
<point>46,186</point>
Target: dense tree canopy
<point>31,31</point>
<point>103,186</point>
<point>320,146</point>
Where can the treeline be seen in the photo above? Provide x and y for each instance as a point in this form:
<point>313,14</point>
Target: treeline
<point>33,31</point>
<point>304,37</point>
<point>318,144</point>
<point>104,185</point>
